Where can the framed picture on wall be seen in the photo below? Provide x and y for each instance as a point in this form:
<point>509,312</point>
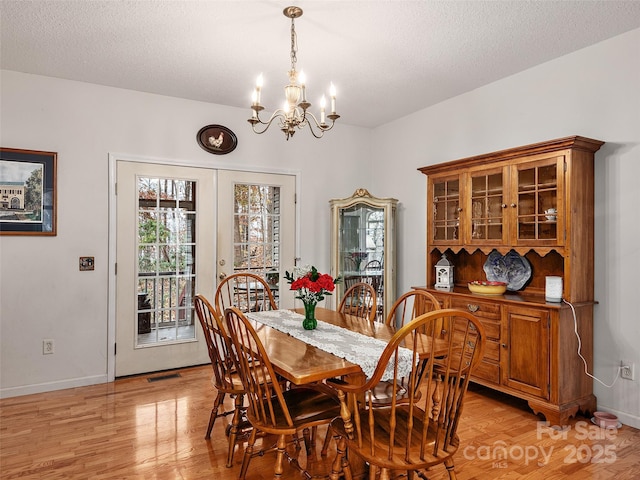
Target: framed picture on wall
<point>217,139</point>
<point>27,192</point>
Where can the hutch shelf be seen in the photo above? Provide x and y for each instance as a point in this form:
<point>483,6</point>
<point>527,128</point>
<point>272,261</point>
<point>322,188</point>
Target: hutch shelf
<point>537,201</point>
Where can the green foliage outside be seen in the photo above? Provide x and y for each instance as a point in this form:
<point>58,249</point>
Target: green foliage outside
<point>33,195</point>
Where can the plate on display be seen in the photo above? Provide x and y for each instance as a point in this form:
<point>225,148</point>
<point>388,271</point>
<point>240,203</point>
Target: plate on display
<point>512,268</point>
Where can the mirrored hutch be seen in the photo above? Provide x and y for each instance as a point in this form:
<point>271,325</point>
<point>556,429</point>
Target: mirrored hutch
<point>363,245</point>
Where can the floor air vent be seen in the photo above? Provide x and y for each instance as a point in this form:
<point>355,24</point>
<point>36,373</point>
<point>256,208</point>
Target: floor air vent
<point>163,377</point>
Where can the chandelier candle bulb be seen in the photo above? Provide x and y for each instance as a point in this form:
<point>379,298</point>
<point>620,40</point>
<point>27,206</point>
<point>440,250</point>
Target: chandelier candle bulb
<point>259,82</point>
<point>303,79</point>
<point>332,92</point>
<point>323,104</point>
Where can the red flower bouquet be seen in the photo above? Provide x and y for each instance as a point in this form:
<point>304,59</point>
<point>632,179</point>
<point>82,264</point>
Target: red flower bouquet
<point>310,285</point>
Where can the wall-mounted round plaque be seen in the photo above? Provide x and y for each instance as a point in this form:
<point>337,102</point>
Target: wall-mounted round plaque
<point>217,139</point>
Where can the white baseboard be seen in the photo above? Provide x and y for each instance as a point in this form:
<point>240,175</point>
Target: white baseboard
<point>51,386</point>
<point>624,417</point>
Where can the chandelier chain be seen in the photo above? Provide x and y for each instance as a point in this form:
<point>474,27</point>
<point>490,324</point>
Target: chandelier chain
<point>294,45</point>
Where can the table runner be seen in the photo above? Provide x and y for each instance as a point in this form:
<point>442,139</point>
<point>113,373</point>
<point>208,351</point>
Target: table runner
<point>352,346</point>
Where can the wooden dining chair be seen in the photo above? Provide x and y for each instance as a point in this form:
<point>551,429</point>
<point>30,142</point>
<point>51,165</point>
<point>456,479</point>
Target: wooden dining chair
<point>359,300</point>
<point>419,434</point>
<point>406,308</point>
<point>271,409</point>
<point>226,379</point>
<point>410,305</point>
<point>247,291</point>
<point>373,265</point>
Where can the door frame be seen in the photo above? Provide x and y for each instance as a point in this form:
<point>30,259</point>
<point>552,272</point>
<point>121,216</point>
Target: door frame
<point>196,163</point>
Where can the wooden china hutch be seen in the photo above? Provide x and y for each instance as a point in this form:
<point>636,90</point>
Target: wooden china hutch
<point>536,204</point>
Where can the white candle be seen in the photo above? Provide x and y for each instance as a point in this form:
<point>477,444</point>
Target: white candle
<point>302,78</point>
<point>254,98</point>
<point>323,104</point>
<point>332,92</point>
<point>259,82</point>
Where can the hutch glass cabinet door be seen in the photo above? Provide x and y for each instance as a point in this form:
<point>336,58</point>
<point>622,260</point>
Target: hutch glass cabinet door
<point>488,206</point>
<point>444,210</point>
<point>363,245</point>
<point>538,205</point>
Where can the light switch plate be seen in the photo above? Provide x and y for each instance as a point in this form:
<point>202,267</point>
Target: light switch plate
<point>87,263</point>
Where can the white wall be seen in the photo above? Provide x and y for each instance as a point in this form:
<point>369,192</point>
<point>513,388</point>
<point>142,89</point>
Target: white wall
<point>594,93</point>
<point>42,293</point>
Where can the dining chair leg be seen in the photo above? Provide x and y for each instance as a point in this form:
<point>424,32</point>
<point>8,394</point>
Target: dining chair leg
<point>340,465</point>
<point>278,469</point>
<point>248,453</point>
<point>296,441</point>
<point>325,444</point>
<point>214,414</point>
<point>309,439</point>
<point>450,468</point>
<point>372,472</point>
<point>235,428</point>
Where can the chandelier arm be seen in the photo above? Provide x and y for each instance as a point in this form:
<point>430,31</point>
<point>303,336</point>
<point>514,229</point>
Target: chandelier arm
<point>257,120</point>
<point>320,127</point>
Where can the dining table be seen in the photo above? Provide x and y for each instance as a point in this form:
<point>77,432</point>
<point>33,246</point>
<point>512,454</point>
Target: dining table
<point>302,363</point>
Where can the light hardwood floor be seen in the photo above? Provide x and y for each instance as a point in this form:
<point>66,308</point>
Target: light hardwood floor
<point>136,429</point>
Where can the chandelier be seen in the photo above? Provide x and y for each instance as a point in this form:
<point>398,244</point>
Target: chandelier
<point>294,114</point>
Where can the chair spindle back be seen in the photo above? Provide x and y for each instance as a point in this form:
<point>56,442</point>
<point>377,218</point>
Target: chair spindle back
<point>246,291</point>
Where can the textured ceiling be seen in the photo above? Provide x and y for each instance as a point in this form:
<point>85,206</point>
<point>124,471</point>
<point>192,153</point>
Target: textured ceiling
<point>386,58</point>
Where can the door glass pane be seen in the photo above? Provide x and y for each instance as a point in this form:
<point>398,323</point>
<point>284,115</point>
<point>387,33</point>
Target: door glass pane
<point>361,239</point>
<point>166,261</point>
<point>256,237</point>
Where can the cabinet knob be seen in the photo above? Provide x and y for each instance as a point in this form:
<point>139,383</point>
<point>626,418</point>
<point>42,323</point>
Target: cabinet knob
<point>459,209</point>
<point>504,345</point>
<point>473,308</point>
<point>513,205</point>
<point>504,205</point>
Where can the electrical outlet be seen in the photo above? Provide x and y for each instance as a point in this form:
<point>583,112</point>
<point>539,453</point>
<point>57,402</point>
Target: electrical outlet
<point>626,370</point>
<point>48,347</point>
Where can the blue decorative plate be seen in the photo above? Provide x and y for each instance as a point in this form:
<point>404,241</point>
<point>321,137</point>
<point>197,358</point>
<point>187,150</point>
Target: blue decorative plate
<point>512,268</point>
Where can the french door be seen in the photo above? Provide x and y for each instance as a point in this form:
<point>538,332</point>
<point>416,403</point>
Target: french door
<point>178,230</point>
<point>165,227</point>
<point>256,228</point>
